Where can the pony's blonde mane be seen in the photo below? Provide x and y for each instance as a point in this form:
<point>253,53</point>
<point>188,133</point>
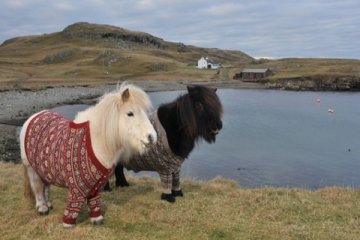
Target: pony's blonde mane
<point>106,112</point>
<point>137,96</point>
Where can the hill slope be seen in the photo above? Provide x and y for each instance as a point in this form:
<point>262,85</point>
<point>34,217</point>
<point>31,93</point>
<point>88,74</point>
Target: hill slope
<point>89,53</point>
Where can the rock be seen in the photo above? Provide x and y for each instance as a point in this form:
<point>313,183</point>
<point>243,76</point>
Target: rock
<point>316,83</point>
<point>9,144</point>
<point>62,56</point>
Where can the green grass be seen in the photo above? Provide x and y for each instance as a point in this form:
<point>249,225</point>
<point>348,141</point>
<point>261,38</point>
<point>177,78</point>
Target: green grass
<point>217,209</point>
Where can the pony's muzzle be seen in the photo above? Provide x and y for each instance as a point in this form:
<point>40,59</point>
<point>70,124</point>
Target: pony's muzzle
<point>151,139</point>
<point>215,132</point>
<point>218,127</point>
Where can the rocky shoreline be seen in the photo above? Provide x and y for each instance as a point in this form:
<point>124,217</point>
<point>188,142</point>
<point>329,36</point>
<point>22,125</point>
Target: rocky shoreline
<point>316,84</point>
<point>17,105</point>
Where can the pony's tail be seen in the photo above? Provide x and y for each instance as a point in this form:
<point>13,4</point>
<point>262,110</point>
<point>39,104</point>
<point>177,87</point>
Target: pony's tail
<point>27,188</point>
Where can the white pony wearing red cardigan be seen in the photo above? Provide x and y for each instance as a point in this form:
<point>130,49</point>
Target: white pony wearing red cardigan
<point>81,154</point>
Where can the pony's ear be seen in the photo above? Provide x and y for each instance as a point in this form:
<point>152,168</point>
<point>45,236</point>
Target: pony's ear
<point>125,95</point>
<point>190,88</point>
<point>193,90</point>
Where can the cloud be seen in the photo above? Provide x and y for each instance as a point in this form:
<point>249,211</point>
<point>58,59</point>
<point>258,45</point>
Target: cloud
<point>145,4</point>
<point>64,6</point>
<point>16,3</point>
<point>224,9</point>
<point>309,28</point>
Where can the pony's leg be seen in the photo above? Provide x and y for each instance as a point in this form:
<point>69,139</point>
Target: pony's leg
<point>120,179</point>
<point>107,187</point>
<point>46,195</point>
<point>38,188</point>
<point>94,209</point>
<point>73,207</point>
<point>176,190</point>
<point>120,176</point>
<point>166,182</point>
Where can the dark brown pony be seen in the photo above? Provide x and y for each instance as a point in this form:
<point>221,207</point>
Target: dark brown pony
<point>193,116</point>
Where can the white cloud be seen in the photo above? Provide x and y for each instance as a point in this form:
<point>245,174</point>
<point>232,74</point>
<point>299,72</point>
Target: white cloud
<point>98,2</point>
<point>145,4</point>
<point>275,28</point>
<point>64,6</point>
<point>16,3</point>
<point>224,9</point>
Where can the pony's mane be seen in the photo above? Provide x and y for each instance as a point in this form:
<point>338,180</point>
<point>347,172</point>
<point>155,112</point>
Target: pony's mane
<point>186,115</point>
<point>211,99</point>
<point>107,112</point>
<point>137,96</point>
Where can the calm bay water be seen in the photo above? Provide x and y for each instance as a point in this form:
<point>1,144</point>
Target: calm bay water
<point>278,138</point>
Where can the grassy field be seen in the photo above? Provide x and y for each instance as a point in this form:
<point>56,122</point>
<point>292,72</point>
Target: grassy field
<point>217,209</point>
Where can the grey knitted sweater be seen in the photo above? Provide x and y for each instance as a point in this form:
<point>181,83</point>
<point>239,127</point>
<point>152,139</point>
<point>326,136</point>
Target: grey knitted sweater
<point>159,157</point>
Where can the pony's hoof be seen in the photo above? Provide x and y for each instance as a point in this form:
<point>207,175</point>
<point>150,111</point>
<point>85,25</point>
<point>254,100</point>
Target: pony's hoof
<point>43,210</point>
<point>122,184</point>
<point>168,197</point>
<point>98,220</point>
<point>107,187</point>
<point>178,193</point>
<point>66,225</point>
<point>43,213</point>
<point>50,206</point>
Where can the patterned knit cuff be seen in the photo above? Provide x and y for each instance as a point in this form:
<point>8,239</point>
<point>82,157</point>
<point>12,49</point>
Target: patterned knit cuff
<point>69,220</point>
<point>95,213</point>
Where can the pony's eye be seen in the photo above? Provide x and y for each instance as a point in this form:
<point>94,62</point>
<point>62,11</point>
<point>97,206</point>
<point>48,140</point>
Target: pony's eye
<point>130,114</point>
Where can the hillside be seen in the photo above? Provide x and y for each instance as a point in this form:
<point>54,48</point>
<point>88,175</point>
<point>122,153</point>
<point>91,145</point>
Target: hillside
<point>312,73</point>
<point>89,54</point>
<point>85,53</point>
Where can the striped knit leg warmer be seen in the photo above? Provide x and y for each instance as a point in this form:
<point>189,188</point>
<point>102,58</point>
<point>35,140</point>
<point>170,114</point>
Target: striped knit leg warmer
<point>176,180</point>
<point>94,206</point>
<point>73,207</point>
<point>166,181</point>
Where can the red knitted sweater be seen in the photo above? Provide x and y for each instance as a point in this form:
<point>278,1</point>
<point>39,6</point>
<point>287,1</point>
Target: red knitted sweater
<point>61,153</point>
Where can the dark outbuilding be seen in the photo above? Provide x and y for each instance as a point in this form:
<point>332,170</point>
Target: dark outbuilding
<point>252,74</point>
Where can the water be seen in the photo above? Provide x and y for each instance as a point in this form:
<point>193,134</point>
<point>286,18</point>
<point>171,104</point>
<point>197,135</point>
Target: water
<point>278,138</point>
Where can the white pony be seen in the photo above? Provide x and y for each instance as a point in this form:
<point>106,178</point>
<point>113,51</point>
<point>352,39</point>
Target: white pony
<point>81,154</point>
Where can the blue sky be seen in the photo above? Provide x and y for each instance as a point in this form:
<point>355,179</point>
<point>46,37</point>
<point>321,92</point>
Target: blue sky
<point>260,28</point>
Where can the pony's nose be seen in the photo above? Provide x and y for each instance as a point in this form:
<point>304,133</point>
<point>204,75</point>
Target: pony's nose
<point>219,125</point>
<point>151,138</point>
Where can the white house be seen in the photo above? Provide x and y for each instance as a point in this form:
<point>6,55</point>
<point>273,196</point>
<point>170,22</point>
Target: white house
<point>207,63</point>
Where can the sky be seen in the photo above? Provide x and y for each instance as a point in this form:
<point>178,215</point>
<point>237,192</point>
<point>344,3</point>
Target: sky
<point>260,28</point>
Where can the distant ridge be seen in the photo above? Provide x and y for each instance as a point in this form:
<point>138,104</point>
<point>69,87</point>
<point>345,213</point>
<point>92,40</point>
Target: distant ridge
<point>116,37</point>
<point>110,33</point>
<point>89,54</point>
<point>98,53</point>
